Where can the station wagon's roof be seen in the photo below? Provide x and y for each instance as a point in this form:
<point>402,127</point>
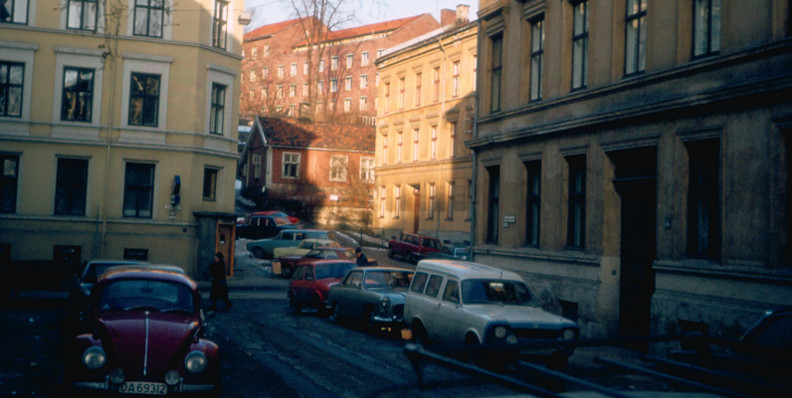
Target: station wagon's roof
<point>465,269</point>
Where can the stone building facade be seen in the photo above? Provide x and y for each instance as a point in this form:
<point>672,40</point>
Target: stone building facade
<point>425,113</point>
<point>632,158</point>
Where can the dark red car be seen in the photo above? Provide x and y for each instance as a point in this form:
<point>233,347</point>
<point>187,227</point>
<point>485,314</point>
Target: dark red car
<point>146,339</point>
<point>287,264</point>
<point>312,280</point>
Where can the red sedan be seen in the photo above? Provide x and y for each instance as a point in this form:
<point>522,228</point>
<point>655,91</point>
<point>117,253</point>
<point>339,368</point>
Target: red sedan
<point>146,339</point>
<point>312,280</point>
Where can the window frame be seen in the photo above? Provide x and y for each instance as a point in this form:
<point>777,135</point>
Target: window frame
<point>635,37</point>
<point>9,182</point>
<point>580,36</point>
<point>143,96</point>
<point>537,57</point>
<point>496,71</point>
<point>367,164</point>
<point>290,165</point>
<point>533,210</point>
<point>339,168</point>
<point>711,35</point>
<point>217,109</point>
<point>8,87</point>
<point>576,201</point>
<point>704,164</point>
<point>71,188</point>
<point>90,104</point>
<point>220,24</point>
<point>13,13</point>
<point>82,18</point>
<point>141,190</point>
<point>149,9</point>
<point>209,188</point>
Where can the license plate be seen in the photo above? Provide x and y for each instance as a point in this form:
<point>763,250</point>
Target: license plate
<point>143,388</point>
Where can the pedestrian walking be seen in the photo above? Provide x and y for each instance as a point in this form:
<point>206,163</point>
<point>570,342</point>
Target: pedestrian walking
<point>362,260</point>
<point>217,269</point>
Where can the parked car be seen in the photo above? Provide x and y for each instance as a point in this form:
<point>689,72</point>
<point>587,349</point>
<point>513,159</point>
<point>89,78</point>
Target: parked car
<point>277,213</point>
<point>90,271</point>
<point>147,337</point>
<point>373,294</point>
<point>285,265</point>
<point>312,280</point>
<point>412,247</point>
<point>265,248</point>
<point>303,247</point>
<point>264,226</point>
<point>466,303</point>
<point>452,251</point>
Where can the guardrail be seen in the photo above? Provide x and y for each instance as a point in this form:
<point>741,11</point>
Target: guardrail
<point>366,236</point>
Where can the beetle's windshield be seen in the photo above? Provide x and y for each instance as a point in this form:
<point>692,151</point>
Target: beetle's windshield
<point>487,291</point>
<point>138,294</point>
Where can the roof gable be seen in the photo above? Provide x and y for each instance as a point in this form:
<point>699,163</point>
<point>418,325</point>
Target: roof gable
<point>294,133</point>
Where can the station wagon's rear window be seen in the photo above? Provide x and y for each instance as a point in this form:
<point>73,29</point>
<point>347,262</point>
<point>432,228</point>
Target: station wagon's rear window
<point>484,291</point>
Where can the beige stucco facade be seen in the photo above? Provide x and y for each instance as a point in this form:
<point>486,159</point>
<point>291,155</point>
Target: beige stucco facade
<point>425,113</point>
<point>47,206</point>
<point>662,175</point>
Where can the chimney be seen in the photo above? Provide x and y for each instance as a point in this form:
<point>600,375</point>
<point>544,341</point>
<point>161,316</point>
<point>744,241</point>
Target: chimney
<point>463,13</point>
<point>447,17</point>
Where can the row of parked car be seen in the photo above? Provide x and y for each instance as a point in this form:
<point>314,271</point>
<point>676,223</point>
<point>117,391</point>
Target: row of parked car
<point>140,331</point>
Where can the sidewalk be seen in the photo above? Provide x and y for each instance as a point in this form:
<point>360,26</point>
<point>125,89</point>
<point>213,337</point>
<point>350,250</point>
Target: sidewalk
<point>249,273</point>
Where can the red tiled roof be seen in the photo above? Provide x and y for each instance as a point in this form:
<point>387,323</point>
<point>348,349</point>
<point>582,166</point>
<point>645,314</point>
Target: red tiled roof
<point>271,29</point>
<point>290,132</point>
<point>378,27</point>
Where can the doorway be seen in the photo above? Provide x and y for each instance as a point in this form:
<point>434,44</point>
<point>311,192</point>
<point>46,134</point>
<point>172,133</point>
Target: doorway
<point>225,244</point>
<point>416,207</point>
<point>636,183</point>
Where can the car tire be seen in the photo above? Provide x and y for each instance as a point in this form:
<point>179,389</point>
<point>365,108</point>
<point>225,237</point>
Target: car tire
<point>420,336</point>
<point>258,252</point>
<point>334,315</point>
<point>390,252</point>
<point>287,272</point>
<point>293,305</point>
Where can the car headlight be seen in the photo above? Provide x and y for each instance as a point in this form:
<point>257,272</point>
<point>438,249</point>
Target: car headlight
<point>172,378</point>
<point>500,332</point>
<point>195,362</point>
<point>384,303</point>
<point>568,334</point>
<point>94,357</point>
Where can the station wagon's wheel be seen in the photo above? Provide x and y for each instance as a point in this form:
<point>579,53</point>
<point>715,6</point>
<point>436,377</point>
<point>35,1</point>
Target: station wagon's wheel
<point>258,252</point>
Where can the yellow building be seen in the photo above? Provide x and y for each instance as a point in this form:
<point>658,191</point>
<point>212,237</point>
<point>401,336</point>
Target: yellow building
<point>118,129</point>
<point>424,115</point>
<point>633,159</point>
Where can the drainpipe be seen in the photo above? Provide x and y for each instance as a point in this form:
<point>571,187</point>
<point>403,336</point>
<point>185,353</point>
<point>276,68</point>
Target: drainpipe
<point>474,175</point>
<point>442,112</point>
<point>103,205</point>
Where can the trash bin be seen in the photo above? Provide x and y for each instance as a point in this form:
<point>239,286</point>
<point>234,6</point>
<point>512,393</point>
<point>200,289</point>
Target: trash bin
<point>276,267</point>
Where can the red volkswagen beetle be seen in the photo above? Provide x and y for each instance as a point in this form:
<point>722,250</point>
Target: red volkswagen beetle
<point>147,337</point>
<point>312,280</point>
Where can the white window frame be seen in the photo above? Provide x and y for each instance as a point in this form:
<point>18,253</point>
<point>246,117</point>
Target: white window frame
<point>296,159</point>
<point>364,58</point>
<point>367,168</point>
<point>80,58</point>
<point>23,53</point>
<point>339,168</point>
<point>220,75</point>
<point>150,64</point>
<point>167,21</point>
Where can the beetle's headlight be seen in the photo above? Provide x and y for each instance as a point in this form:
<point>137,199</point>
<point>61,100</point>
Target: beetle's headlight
<point>172,378</point>
<point>195,362</point>
<point>568,334</point>
<point>94,357</point>
<point>500,332</point>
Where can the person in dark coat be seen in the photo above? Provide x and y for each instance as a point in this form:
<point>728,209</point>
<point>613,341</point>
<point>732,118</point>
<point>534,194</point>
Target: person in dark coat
<point>219,284</point>
<point>362,260</point>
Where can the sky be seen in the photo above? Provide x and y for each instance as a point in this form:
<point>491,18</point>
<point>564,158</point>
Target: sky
<point>265,12</point>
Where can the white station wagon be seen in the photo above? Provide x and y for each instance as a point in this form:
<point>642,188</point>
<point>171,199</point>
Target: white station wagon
<point>465,303</point>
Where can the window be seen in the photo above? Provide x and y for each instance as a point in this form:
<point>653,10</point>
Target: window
<point>434,285</point>
<point>252,77</point>
<point>495,72</point>
<point>580,28</point>
<point>347,105</point>
<point>338,168</point>
<point>367,169</point>
<point>382,199</point>
<point>264,72</point>
<point>364,58</point>
<point>348,83</point>
<point>349,60</point>
<point>8,183</point>
<point>220,24</point>
<point>703,204</point>
<point>138,190</point>
<point>279,91</point>
<point>291,165</point>
<point>320,86</point>
<point>70,187</point>
<point>77,95</point>
<point>210,184</point>
<point>363,81</point>
<point>635,47</point>
<point>385,149</point>
<point>533,202</point>
<point>292,110</point>
<point>418,88</point>
<point>436,84</point>
<point>706,27</point>
<point>451,292</point>
<point>217,114</point>
<point>81,14</point>
<point>576,217</point>
<point>455,80</point>
<point>149,17</point>
<point>537,52</point>
<point>416,144</point>
<point>280,71</point>
<point>253,53</point>
<point>266,50</point>
<point>334,62</point>
<point>305,89</point>
<point>396,201</point>
<point>363,105</point>
<point>293,69</point>
<point>433,148</point>
<point>401,93</point>
<point>450,200</point>
<point>12,77</point>
<point>387,97</point>
<point>451,139</point>
<point>144,100</point>
<point>333,85</point>
<point>292,90</point>
<point>430,204</point>
<point>493,204</point>
<point>321,65</point>
<point>14,11</point>
<point>256,166</point>
<point>399,147</point>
